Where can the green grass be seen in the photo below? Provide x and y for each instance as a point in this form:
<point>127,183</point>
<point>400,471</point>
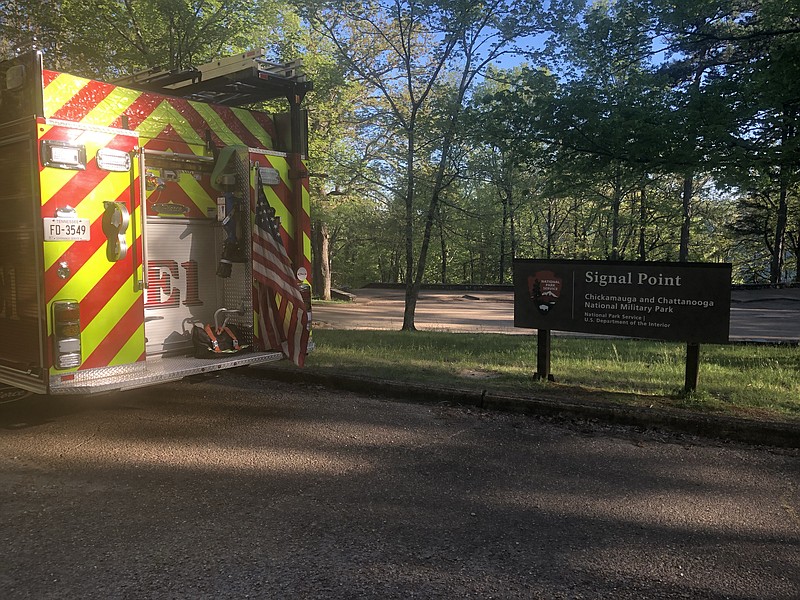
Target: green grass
<point>739,380</point>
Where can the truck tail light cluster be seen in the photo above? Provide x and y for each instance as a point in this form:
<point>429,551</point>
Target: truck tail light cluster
<point>67,333</point>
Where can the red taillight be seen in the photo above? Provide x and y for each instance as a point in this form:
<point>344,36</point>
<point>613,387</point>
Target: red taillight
<point>66,334</point>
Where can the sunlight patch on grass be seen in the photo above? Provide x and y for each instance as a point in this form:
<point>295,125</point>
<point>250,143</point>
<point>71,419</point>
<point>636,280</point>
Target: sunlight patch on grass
<point>734,379</point>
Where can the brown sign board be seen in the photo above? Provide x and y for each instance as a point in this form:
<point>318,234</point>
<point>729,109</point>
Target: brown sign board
<point>659,300</point>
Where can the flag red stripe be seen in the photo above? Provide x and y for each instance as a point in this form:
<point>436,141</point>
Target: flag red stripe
<point>269,271</point>
<point>269,330</point>
<point>274,276</point>
<point>273,257</point>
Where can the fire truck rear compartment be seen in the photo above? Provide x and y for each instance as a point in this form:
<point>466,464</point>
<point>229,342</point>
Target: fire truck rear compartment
<point>183,289</point>
<point>111,219</point>
<point>184,241</point>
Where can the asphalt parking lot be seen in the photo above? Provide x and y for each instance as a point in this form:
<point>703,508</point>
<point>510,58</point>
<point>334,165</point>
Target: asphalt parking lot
<point>243,487</point>
<point>767,315</point>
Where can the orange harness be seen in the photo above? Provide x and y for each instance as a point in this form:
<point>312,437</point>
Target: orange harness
<point>214,343</point>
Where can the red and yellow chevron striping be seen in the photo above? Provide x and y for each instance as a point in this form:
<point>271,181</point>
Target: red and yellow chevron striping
<point>81,270</point>
<point>163,123</point>
<point>101,115</point>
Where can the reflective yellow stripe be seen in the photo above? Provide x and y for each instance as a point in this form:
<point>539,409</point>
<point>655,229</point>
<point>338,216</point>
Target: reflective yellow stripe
<point>81,282</point>
<point>132,349</point>
<point>52,181</point>
<point>216,124</point>
<point>197,193</point>
<point>93,270</point>
<point>96,331</point>
<point>109,110</point>
<point>108,189</point>
<point>280,210</point>
<point>287,317</point>
<point>60,91</point>
<point>253,126</point>
<point>306,246</point>
<point>275,201</point>
<point>307,211</point>
<point>165,115</point>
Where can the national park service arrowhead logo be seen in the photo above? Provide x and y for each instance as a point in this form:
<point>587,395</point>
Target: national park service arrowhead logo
<point>545,290</point>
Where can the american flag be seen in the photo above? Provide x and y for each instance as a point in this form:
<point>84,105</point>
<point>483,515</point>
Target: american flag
<point>282,316</point>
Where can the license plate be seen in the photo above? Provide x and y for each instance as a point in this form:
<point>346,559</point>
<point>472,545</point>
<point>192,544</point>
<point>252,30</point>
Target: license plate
<point>66,230</point>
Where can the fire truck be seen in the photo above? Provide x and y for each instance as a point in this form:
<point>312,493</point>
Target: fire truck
<point>130,223</point>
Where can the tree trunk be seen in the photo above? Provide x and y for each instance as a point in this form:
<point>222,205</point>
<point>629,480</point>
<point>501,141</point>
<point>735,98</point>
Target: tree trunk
<point>642,224</point>
<point>686,222</point>
<point>616,203</point>
<point>502,264</point>
<point>797,265</point>
<point>397,260</point>
<point>776,264</point>
<point>320,263</point>
<point>411,290</point>
<point>443,247</point>
<point>794,242</point>
<point>575,231</point>
<point>512,233</point>
<point>781,221</point>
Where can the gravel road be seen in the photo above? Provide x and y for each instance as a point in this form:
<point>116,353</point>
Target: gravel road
<point>238,487</point>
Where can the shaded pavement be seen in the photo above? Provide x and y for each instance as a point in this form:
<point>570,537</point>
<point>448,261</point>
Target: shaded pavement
<point>236,487</point>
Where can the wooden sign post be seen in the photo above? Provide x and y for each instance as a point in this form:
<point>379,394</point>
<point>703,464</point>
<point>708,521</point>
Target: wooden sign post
<point>543,356</point>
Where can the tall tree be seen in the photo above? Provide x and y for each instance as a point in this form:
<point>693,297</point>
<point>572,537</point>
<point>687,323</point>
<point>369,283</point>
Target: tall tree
<point>741,59</point>
<point>410,52</point>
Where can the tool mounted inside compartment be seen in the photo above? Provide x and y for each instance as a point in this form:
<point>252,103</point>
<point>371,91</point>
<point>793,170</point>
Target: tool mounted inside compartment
<point>220,339</point>
<point>232,210</point>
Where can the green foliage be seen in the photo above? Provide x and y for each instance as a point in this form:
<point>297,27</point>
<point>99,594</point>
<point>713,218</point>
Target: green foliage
<point>641,98</point>
<point>106,38</point>
<point>418,61</point>
<point>755,381</point>
<point>638,129</point>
